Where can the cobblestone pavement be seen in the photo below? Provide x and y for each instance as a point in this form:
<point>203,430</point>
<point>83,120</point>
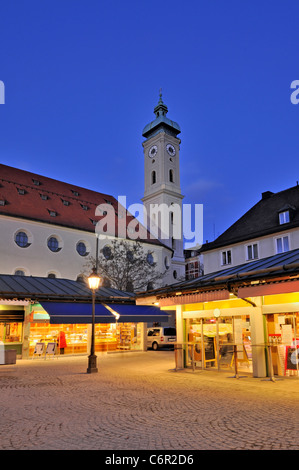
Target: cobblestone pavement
<point>137,401</point>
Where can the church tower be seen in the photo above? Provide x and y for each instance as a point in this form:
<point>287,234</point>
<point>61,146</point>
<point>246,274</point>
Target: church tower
<point>162,192</point>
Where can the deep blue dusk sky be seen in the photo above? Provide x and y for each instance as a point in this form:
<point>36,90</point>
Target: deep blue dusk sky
<point>82,79</point>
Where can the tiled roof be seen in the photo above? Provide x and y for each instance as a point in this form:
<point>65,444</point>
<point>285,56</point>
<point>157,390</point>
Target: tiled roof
<point>35,197</point>
<point>262,219</point>
<point>32,287</point>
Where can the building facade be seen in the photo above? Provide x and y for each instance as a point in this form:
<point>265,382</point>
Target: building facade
<point>50,228</point>
<point>268,228</point>
<point>242,319</point>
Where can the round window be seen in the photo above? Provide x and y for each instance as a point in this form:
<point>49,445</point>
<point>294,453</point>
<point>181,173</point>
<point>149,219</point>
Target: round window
<point>107,253</point>
<point>81,249</point>
<point>21,239</point>
<point>53,244</point>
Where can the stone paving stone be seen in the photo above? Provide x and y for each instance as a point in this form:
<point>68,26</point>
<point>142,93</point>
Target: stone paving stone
<point>138,402</point>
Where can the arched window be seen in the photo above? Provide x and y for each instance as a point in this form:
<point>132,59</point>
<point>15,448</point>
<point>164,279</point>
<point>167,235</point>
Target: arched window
<point>171,176</point>
<point>20,272</point>
<point>154,177</point>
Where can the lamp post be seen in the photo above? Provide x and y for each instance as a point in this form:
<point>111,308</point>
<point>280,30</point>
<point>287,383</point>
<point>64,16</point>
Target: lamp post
<point>93,282</point>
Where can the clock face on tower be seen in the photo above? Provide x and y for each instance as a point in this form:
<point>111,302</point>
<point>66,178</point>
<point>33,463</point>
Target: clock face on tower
<point>170,149</point>
<point>153,151</point>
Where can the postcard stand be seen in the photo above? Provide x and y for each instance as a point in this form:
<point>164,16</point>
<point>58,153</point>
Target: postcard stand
<point>39,349</point>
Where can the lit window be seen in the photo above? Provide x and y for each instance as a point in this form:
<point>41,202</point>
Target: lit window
<point>226,257</point>
<point>21,239</point>
<point>282,244</point>
<point>252,251</point>
<point>284,217</point>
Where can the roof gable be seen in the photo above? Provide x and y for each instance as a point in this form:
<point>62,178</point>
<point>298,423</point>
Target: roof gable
<point>262,219</point>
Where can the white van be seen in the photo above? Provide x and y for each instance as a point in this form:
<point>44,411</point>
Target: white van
<point>161,337</point>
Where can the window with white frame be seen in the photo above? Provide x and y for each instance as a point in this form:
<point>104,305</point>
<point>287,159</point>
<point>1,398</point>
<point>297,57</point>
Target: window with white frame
<point>252,251</point>
<point>226,257</point>
<point>282,244</point>
<point>284,217</point>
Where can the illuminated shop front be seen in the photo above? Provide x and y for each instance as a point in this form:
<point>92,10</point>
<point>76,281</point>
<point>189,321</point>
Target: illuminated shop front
<point>11,325</point>
<point>281,314</point>
<point>43,311</point>
<point>208,332</point>
<point>214,340</point>
<point>47,326</point>
<point>244,319</point>
<point>108,336</point>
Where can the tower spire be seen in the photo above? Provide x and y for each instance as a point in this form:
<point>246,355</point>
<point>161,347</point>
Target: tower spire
<point>161,108</point>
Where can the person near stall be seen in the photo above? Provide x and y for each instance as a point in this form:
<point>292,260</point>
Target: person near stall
<point>61,341</point>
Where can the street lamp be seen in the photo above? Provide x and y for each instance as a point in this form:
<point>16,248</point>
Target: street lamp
<point>93,282</point>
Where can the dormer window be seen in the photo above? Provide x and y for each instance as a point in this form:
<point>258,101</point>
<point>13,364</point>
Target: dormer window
<point>2,201</point>
<point>284,217</point>
<point>36,182</point>
<point>52,213</point>
<point>65,202</point>
<point>75,193</point>
<point>44,197</point>
<point>21,191</point>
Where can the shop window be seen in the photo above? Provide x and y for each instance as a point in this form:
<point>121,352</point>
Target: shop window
<point>11,332</point>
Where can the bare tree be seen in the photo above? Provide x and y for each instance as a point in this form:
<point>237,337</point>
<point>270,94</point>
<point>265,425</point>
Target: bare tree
<point>126,266</point>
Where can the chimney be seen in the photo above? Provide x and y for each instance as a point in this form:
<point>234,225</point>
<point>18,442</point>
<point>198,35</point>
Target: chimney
<point>267,194</point>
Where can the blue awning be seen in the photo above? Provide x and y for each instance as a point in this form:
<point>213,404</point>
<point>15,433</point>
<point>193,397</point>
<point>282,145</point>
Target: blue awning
<point>139,313</point>
<point>75,313</point>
